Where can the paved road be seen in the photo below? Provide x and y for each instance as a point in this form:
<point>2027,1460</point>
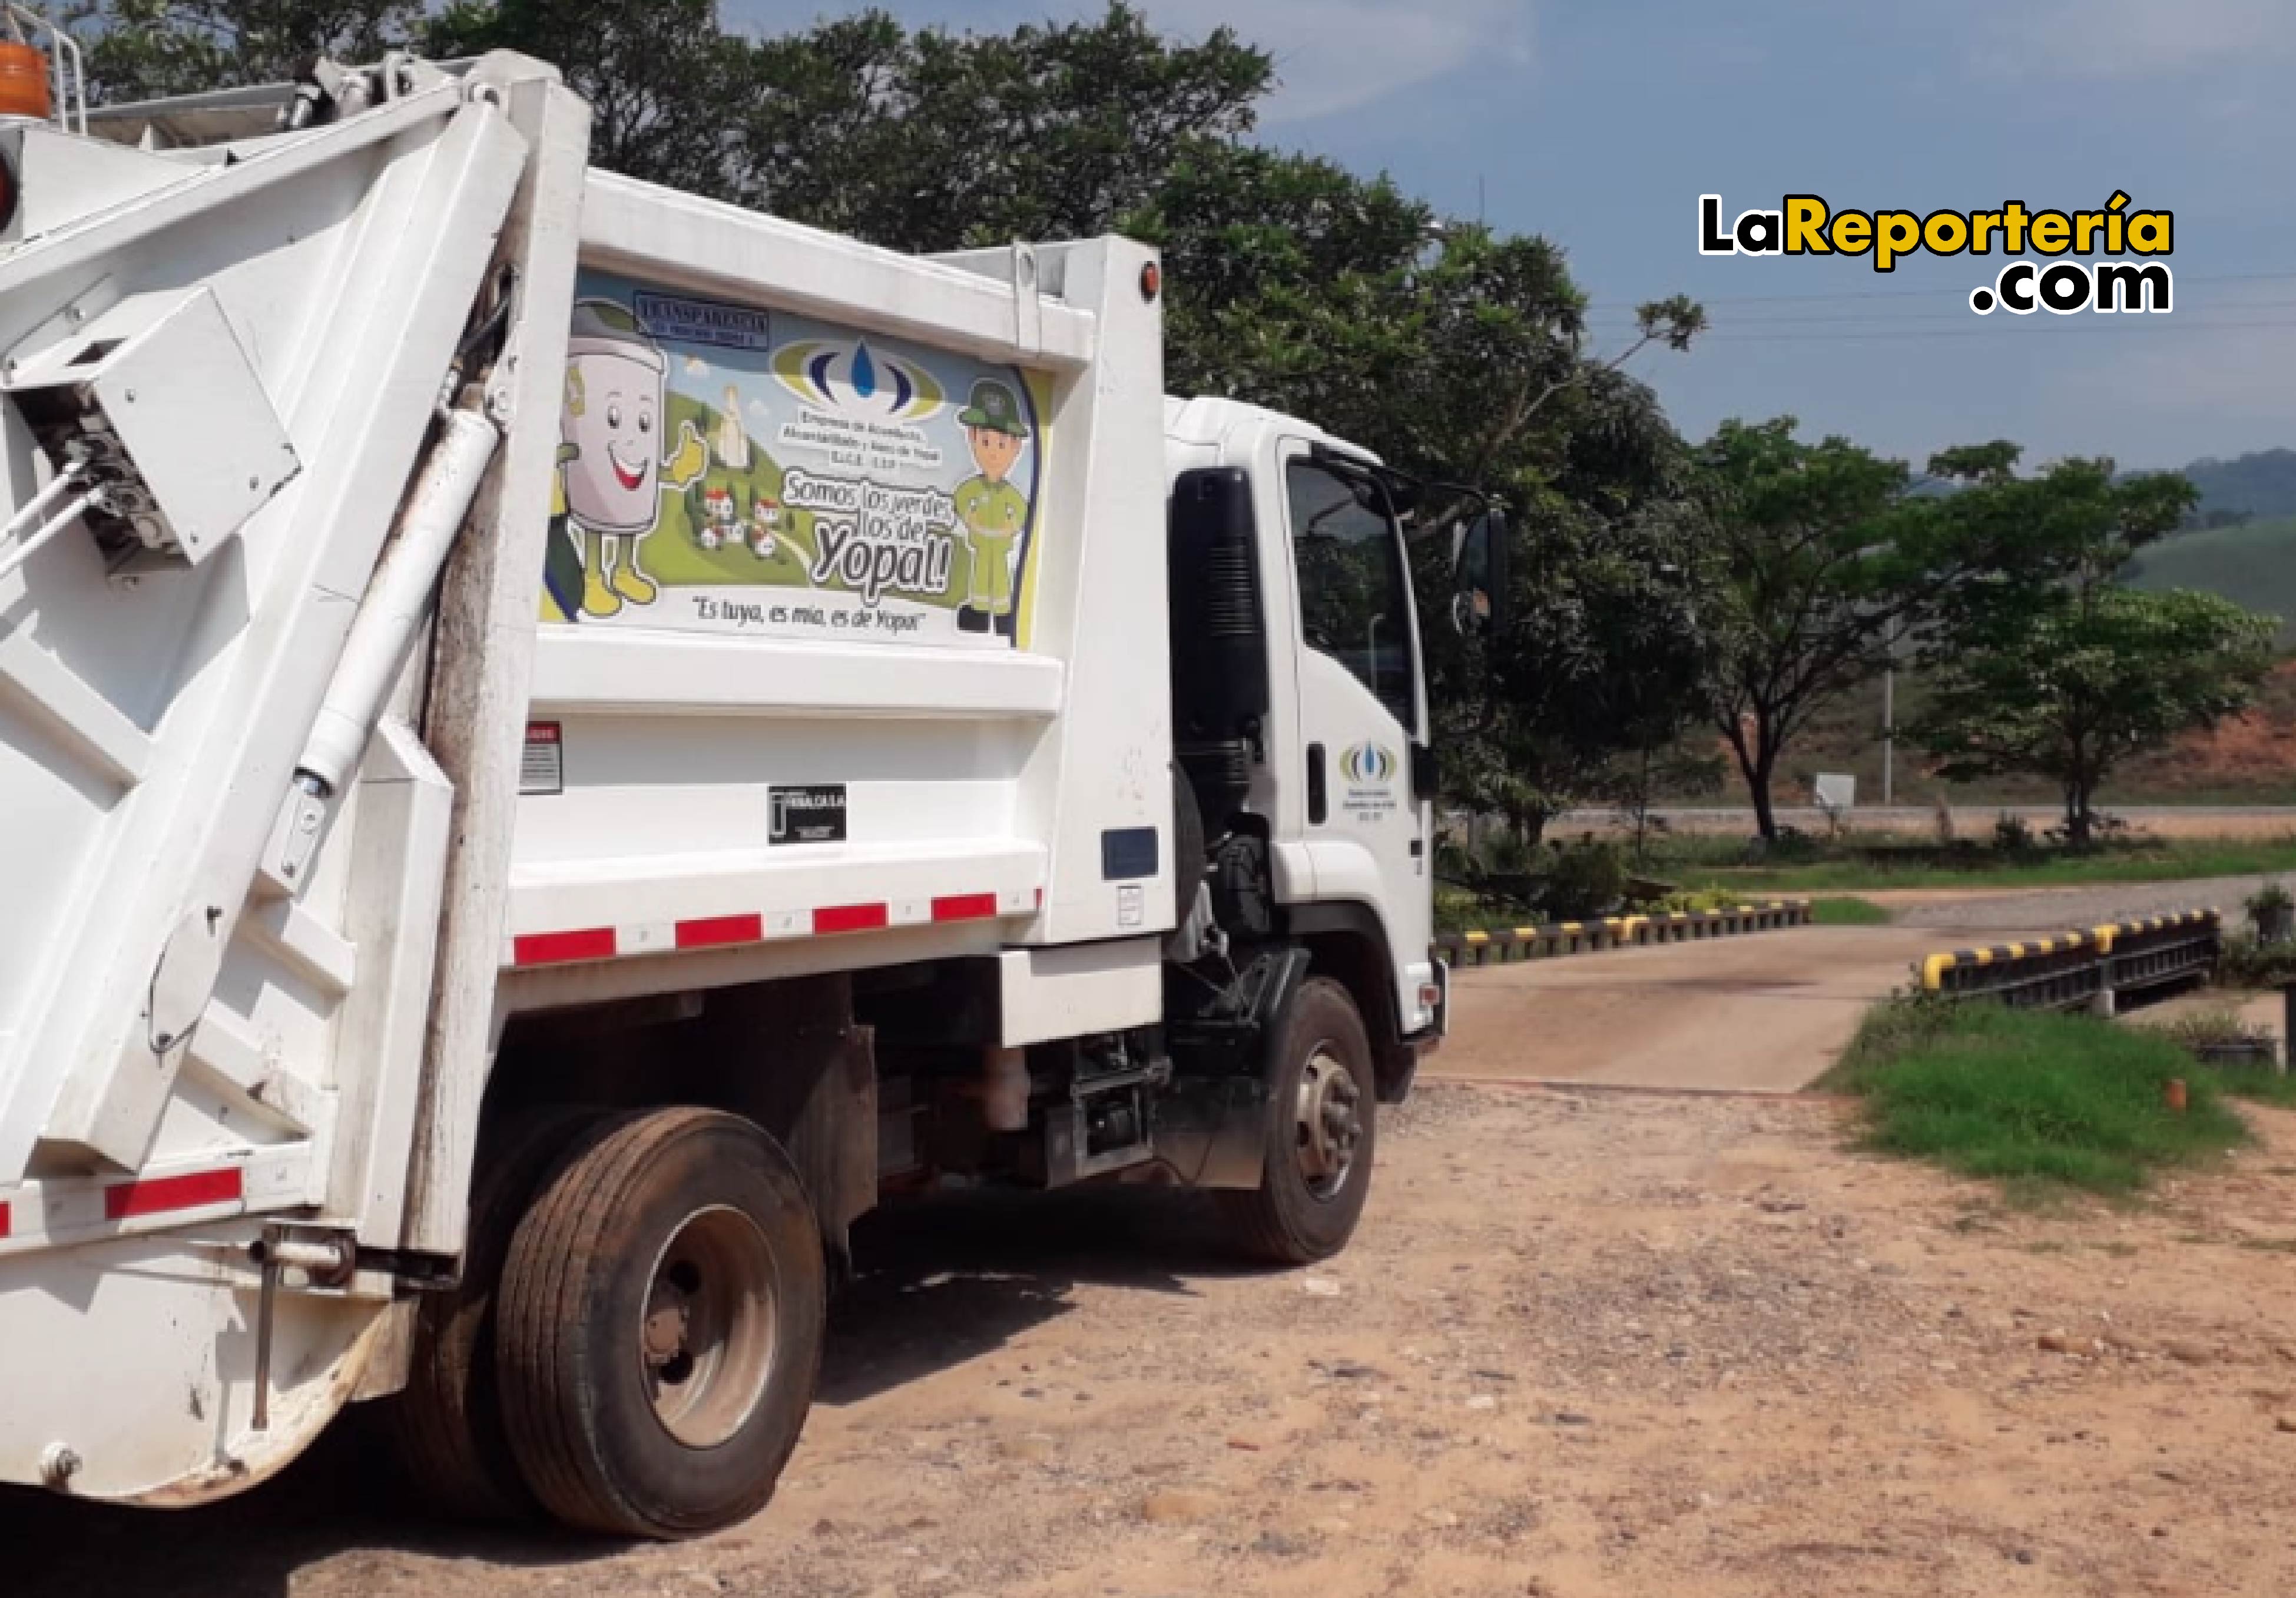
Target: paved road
<point>2056,909</point>
<point>1768,1010</point>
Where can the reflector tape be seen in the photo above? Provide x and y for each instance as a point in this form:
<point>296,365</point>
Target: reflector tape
<point>965,907</point>
<point>850,917</point>
<point>718,932</point>
<point>712,931</point>
<point>550,948</point>
<point>4,1220</point>
<point>194,1190</point>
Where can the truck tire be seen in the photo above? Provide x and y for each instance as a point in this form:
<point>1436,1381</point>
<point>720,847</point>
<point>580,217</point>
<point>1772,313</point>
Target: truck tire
<point>1321,1134</point>
<point>447,1425</point>
<point>660,1326</point>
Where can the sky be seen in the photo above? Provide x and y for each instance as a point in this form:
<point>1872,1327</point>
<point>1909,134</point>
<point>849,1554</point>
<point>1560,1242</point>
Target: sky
<point>1597,124</point>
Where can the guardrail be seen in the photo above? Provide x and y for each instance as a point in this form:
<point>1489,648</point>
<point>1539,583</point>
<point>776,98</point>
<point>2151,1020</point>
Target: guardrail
<point>1505,946</point>
<point>2076,969</point>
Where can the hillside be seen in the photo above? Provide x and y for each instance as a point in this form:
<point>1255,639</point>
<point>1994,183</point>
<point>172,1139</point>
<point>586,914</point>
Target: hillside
<point>2253,565</point>
<point>2262,485</point>
<point>2249,759</point>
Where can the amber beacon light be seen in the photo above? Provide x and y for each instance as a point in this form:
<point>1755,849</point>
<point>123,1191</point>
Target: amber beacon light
<point>26,84</point>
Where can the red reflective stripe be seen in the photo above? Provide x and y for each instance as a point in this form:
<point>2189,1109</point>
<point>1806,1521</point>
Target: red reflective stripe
<point>190,1191</point>
<point>713,930</point>
<point>965,907</point>
<point>549,948</point>
<point>850,917</point>
<point>6,1219</point>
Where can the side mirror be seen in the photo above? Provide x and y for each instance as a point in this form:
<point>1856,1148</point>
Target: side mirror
<point>1479,593</point>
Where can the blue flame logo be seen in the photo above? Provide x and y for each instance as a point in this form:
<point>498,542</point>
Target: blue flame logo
<point>1369,764</point>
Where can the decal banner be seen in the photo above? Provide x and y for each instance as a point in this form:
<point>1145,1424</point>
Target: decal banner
<point>730,469</point>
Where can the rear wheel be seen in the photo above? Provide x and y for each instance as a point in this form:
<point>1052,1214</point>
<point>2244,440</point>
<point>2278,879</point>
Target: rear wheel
<point>447,1425</point>
<point>1321,1129</point>
<point>660,1326</point>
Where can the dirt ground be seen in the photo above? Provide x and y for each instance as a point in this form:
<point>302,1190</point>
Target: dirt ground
<point>1585,1344</point>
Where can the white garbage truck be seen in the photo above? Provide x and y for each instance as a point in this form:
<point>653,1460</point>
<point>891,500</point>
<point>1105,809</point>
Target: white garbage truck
<point>559,740</point>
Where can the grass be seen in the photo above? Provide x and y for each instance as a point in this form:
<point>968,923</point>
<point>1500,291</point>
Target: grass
<point>1845,909</point>
<point>2034,1098</point>
<point>1851,866</point>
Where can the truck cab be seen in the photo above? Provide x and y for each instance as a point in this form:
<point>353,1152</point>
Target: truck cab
<point>1309,735</point>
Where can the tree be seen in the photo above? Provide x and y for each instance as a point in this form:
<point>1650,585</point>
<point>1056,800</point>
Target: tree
<point>1828,560</point>
<point>140,49</point>
<point>2051,666</point>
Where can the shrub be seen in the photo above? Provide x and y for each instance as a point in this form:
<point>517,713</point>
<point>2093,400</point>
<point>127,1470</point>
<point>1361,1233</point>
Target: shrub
<point>1584,879</point>
<point>2246,962</point>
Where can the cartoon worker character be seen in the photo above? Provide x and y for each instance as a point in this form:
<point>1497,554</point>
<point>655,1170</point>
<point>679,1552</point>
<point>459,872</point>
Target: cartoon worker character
<point>993,511</point>
<point>613,471</point>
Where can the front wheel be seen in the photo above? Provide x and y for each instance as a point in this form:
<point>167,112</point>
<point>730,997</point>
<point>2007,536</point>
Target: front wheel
<point>660,1326</point>
<point>1321,1131</point>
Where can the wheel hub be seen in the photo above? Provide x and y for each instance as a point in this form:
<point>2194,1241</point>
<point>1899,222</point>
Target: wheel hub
<point>707,1336</point>
<point>1330,1122</point>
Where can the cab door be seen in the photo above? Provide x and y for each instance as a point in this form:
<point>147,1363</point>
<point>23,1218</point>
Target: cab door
<point>1361,708</point>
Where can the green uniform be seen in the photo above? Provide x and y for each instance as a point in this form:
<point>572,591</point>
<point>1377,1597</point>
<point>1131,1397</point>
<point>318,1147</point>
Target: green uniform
<point>993,514</point>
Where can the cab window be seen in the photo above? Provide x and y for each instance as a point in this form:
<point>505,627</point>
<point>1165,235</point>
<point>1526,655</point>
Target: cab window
<point>1355,604</point>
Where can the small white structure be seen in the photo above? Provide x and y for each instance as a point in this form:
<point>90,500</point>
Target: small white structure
<point>1835,793</point>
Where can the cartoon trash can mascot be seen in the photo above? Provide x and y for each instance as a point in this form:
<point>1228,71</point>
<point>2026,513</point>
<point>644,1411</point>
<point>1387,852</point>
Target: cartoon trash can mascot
<point>612,470</point>
<point>993,511</point>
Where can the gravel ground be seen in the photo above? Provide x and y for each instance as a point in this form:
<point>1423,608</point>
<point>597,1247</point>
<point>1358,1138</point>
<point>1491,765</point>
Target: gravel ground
<point>2068,908</point>
<point>1587,1346</point>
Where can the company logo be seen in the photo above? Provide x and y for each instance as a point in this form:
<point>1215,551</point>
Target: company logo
<point>1808,224</point>
<point>1368,763</point>
<point>857,381</point>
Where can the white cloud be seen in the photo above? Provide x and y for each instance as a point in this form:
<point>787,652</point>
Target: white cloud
<point>695,366</point>
<point>758,407</point>
<point>2134,39</point>
<point>1338,56</point>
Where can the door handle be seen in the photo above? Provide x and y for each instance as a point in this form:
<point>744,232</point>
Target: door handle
<point>1316,803</point>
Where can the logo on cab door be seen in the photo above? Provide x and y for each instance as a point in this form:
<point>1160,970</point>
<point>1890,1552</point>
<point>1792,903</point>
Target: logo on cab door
<point>1369,764</point>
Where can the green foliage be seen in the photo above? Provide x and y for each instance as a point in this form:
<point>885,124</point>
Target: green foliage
<point>1583,881</point>
<point>2050,666</point>
<point>2029,1095</point>
<point>2270,899</point>
<point>1827,560</point>
<point>2013,834</point>
<point>140,49</point>
<point>1843,910</point>
<point>2246,961</point>
<point>2254,563</point>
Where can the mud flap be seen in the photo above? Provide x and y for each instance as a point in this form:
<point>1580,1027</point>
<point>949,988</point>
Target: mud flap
<point>1210,1125</point>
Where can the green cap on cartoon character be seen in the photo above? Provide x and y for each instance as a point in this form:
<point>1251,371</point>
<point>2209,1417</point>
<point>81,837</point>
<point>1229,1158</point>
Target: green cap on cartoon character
<point>994,407</point>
